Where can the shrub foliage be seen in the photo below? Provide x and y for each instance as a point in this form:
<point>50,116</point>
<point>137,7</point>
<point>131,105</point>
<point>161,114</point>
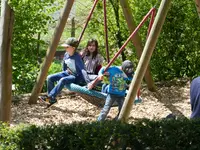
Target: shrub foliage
<point>144,134</point>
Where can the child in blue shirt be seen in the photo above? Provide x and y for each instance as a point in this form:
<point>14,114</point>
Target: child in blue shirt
<point>116,89</point>
<point>73,72</point>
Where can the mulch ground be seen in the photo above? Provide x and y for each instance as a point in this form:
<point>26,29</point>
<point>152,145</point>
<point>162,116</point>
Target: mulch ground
<point>171,97</point>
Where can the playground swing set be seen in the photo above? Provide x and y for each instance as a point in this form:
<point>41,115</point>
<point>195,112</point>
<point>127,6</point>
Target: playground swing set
<point>92,95</point>
<point>7,24</point>
<point>96,97</point>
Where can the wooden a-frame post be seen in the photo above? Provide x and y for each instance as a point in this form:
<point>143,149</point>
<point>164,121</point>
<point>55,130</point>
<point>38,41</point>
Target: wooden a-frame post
<point>6,28</point>
<point>136,41</point>
<point>198,6</point>
<point>50,52</point>
<point>144,60</point>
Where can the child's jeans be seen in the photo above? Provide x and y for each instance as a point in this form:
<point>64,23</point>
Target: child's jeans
<point>63,78</point>
<point>110,99</point>
<point>104,88</point>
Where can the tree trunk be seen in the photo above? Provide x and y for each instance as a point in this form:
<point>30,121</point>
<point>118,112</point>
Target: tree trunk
<point>38,48</point>
<point>115,5</point>
<point>73,30</point>
<point>137,41</point>
<point>6,28</point>
<point>50,52</point>
<point>145,59</point>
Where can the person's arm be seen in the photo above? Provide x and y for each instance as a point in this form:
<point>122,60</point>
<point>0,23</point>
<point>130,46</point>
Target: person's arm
<point>81,67</point>
<point>82,54</point>
<point>94,82</point>
<point>85,75</point>
<point>64,66</point>
<point>100,77</point>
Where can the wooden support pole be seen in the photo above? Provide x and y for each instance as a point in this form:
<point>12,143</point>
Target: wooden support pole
<point>137,42</point>
<point>6,28</point>
<point>144,60</point>
<point>50,52</point>
<point>198,6</point>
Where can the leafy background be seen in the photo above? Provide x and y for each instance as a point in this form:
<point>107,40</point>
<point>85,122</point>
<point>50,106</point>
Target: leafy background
<point>176,54</point>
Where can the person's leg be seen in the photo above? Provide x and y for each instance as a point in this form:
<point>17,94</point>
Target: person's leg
<point>51,79</point>
<point>104,88</point>
<point>106,108</point>
<point>195,98</point>
<point>61,83</point>
<point>120,101</point>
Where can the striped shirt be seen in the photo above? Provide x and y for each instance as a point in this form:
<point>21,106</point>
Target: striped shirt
<point>91,64</point>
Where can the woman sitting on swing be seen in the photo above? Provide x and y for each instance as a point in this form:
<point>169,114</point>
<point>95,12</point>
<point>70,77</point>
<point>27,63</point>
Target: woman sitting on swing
<point>92,59</point>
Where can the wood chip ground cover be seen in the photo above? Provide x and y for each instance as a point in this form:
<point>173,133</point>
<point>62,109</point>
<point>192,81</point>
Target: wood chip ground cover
<point>171,97</point>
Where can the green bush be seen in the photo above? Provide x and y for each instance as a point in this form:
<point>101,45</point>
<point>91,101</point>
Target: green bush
<point>32,21</point>
<point>144,134</point>
<point>55,67</point>
<point>177,51</point>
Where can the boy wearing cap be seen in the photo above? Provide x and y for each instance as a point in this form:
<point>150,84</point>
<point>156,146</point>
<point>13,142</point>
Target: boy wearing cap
<point>73,72</point>
<point>116,88</point>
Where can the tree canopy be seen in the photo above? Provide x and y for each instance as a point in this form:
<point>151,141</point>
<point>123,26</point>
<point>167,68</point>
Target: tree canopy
<point>176,54</point>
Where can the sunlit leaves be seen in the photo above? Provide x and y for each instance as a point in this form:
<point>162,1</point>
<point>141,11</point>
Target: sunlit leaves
<point>32,18</point>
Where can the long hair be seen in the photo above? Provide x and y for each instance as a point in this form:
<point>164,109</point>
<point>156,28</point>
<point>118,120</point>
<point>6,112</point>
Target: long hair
<point>86,52</point>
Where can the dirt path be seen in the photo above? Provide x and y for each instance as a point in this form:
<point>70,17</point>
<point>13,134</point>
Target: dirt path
<point>171,97</point>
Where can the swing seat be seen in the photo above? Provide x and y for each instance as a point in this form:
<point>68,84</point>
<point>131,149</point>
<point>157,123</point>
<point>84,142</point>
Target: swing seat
<point>94,97</point>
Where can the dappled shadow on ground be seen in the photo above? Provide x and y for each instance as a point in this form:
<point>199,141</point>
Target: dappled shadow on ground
<point>169,98</point>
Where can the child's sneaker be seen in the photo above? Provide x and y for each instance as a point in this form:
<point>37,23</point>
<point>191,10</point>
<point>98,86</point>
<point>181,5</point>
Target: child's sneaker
<point>138,100</point>
<point>44,99</point>
<point>48,100</point>
<point>51,102</point>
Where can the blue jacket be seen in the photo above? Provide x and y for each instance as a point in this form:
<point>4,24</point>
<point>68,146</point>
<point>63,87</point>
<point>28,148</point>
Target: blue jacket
<point>195,97</point>
<point>75,64</point>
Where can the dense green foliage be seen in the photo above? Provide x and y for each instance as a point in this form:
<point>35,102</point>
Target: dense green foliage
<point>117,28</point>
<point>145,134</point>
<point>176,54</point>
<point>32,18</point>
<point>177,51</point>
<point>56,66</point>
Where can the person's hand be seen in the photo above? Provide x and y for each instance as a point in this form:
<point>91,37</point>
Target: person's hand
<point>90,85</point>
<point>106,74</point>
<point>69,71</point>
<point>100,77</point>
